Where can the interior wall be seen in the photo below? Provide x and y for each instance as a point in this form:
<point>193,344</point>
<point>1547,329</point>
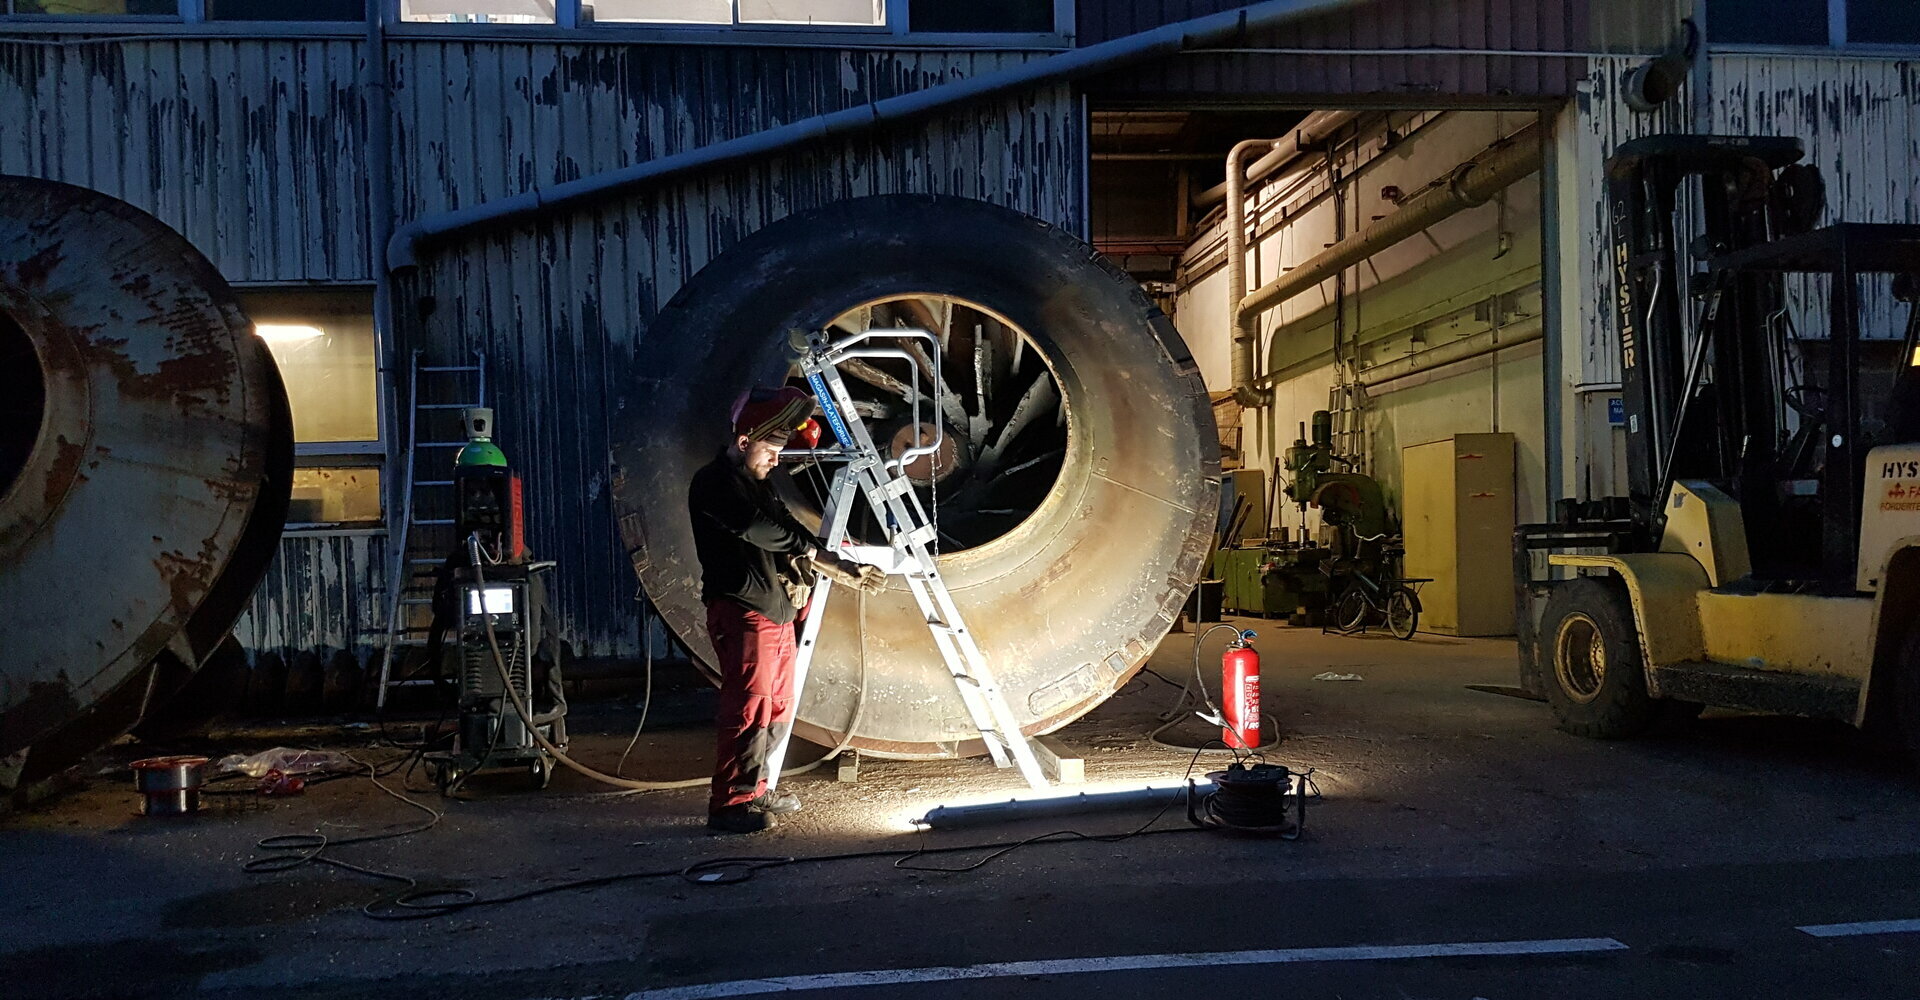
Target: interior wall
<point>1476,269</point>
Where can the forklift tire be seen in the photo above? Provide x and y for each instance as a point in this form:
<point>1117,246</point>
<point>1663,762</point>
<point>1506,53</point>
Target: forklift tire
<point>1597,682</point>
<point>1906,694</point>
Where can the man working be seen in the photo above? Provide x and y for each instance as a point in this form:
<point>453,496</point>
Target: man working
<point>754,569</point>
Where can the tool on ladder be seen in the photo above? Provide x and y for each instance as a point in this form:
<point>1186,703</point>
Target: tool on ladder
<point>426,524</point>
<point>910,536</point>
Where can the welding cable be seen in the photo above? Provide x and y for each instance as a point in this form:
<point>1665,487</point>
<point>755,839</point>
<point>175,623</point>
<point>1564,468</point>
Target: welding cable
<point>1258,807</point>
<point>526,714</point>
<point>294,850</point>
<point>415,903</point>
<point>424,904</point>
<point>646,699</point>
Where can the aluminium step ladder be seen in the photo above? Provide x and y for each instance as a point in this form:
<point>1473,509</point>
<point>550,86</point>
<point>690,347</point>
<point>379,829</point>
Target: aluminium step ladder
<point>435,435</point>
<point>910,537</point>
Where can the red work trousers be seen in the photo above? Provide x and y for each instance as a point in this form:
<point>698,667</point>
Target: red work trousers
<point>756,695</point>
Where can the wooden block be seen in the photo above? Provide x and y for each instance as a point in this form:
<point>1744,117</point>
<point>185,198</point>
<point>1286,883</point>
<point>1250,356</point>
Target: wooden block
<point>1062,765</point>
<point>847,766</point>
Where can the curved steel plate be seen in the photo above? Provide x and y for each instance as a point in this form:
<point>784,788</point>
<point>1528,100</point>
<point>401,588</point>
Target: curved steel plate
<point>165,428</point>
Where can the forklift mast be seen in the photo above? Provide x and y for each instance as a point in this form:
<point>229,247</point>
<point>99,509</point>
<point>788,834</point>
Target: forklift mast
<point>1724,431</point>
<point>1712,380</point>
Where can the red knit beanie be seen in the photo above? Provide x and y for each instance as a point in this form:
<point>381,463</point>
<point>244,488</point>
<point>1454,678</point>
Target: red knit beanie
<point>770,414</point>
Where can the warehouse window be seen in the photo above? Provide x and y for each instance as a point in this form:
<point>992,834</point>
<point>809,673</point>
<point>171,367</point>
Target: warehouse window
<point>807,12</point>
<point>1814,23</point>
<point>981,15</point>
<point>335,495</point>
<point>478,11</point>
<point>281,10</point>
<point>322,340</point>
<point>96,8</point>
<point>1883,22</point>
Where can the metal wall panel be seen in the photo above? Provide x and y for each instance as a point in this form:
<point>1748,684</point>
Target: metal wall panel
<point>325,591</point>
<point>250,148</point>
<point>1860,119</point>
<point>1384,78</point>
<point>1603,122</point>
<point>560,308</point>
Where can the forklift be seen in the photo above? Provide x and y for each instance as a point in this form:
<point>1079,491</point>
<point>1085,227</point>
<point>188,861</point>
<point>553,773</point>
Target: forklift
<point>1766,556</point>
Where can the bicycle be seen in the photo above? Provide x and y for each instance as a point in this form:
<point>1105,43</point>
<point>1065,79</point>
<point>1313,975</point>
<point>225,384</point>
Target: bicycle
<point>1391,601</point>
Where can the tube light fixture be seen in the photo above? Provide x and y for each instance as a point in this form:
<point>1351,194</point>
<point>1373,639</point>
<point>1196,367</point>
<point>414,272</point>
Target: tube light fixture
<point>281,333</point>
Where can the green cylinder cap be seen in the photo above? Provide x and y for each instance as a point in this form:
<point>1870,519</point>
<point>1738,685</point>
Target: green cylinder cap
<point>480,453</point>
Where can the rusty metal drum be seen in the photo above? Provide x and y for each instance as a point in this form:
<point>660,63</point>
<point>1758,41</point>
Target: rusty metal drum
<point>146,452</point>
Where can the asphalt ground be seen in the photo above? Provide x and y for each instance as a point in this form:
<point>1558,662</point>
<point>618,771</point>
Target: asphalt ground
<point>1461,848</point>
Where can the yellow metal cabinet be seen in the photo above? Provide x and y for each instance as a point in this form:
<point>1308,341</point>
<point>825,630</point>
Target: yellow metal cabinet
<point>1456,511</point>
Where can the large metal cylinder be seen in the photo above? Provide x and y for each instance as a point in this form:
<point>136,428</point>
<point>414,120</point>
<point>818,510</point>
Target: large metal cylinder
<point>146,458</point>
<point>1067,598</point>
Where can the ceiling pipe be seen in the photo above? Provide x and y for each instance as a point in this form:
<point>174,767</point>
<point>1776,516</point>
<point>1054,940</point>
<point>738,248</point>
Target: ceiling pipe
<point>410,240</point>
<point>1244,335</point>
<point>1525,331</point>
<point>1312,130</point>
<point>1472,183</point>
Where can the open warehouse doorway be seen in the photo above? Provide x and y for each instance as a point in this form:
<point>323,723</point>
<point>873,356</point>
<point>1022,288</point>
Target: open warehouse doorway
<point>1377,375</point>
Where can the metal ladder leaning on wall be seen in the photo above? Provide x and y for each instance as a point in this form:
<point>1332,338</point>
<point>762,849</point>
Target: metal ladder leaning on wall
<point>910,533</point>
<point>435,433</point>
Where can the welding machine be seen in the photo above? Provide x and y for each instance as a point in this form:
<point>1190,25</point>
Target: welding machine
<point>494,603</point>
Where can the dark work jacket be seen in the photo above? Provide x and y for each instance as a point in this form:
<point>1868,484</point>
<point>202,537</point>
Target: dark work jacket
<point>742,532</point>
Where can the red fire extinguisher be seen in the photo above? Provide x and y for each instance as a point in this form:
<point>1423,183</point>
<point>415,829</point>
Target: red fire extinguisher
<point>1240,693</point>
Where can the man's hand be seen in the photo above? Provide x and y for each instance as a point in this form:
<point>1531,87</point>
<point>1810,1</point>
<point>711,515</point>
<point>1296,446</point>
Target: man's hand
<point>845,571</point>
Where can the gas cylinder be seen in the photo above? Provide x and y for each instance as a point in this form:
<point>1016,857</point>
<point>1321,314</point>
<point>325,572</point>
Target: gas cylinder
<point>1240,693</point>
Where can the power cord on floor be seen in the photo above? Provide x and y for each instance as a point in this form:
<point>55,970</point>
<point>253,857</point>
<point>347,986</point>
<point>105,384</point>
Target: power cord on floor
<point>295,850</point>
<point>290,851</point>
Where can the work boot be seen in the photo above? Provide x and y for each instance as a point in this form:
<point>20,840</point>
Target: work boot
<point>738,819</point>
<point>775,803</point>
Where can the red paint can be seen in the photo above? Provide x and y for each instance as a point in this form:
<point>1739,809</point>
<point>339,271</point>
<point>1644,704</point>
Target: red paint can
<point>1240,694</point>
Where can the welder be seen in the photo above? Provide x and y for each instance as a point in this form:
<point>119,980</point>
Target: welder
<point>756,565</point>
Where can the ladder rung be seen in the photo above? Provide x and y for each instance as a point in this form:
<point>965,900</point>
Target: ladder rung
<point>432,521</point>
<point>439,444</point>
<point>419,561</point>
<point>433,482</point>
<point>449,368</point>
<point>412,682</point>
<point>896,488</point>
<point>922,535</point>
<point>416,600</point>
<point>446,406</point>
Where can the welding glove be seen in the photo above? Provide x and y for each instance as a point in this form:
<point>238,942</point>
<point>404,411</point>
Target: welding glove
<point>868,579</point>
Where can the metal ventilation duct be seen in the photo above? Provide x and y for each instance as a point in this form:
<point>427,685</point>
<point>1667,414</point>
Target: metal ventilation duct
<point>146,457</point>
<point>1079,580</point>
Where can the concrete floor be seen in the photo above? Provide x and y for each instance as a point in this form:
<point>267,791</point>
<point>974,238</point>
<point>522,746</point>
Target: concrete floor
<point>1449,815</point>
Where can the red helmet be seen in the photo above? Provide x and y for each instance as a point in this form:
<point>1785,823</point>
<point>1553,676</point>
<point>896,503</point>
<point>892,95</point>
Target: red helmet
<point>806,435</point>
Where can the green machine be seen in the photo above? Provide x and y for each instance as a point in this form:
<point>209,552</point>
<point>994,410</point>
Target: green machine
<point>1345,499</point>
<point>1297,578</point>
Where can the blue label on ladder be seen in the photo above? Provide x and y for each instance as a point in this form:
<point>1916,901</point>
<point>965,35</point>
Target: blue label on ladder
<point>832,411</point>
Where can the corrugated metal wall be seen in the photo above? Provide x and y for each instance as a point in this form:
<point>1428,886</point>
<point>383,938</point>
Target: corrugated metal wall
<point>323,592</point>
<point>251,149</point>
<point>1389,79</point>
<point>558,310</point>
<point>1860,119</point>
<point>1604,122</point>
<point>254,150</point>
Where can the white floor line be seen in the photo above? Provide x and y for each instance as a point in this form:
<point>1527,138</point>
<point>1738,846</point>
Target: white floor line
<point>1123,963</point>
<point>1863,927</point>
